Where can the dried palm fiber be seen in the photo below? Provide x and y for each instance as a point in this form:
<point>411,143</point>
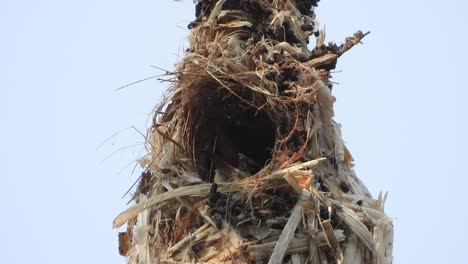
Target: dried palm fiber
<point>246,164</point>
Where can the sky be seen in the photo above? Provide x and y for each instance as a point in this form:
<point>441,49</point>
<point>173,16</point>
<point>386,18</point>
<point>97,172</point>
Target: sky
<point>70,140</point>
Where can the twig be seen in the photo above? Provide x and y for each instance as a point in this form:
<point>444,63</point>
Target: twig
<point>351,42</point>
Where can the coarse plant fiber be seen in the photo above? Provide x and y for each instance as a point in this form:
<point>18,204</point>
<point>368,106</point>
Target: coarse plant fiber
<point>245,162</point>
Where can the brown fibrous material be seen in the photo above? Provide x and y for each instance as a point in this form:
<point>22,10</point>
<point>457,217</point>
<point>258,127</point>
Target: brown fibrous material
<point>245,142</point>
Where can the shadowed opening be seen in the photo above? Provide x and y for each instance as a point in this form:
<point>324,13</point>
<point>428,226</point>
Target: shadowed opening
<point>234,138</point>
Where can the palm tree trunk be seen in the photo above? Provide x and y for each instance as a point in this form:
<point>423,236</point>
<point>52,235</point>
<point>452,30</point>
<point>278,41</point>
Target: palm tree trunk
<point>247,164</point>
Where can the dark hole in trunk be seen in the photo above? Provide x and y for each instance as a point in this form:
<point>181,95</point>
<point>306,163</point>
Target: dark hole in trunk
<point>234,136</point>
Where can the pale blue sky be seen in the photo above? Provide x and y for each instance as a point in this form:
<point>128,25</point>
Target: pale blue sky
<point>401,101</point>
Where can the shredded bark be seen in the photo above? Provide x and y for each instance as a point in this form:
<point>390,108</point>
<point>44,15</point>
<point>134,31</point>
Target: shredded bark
<point>246,161</point>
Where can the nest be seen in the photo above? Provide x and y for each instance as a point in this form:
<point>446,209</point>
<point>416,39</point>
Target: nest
<point>245,163</point>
